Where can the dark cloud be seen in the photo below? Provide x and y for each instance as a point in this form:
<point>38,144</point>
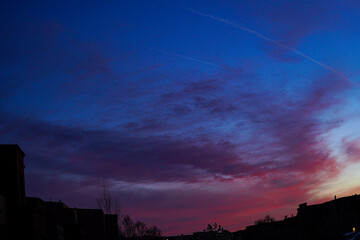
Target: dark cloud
<point>291,141</point>
<point>351,147</point>
<point>276,145</point>
<point>180,146</point>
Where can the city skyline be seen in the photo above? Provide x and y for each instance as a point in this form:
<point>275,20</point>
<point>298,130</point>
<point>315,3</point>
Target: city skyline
<point>192,112</point>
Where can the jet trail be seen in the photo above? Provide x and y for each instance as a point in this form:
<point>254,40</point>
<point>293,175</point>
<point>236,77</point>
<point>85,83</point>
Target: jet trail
<point>260,35</point>
<point>177,55</point>
<point>182,56</point>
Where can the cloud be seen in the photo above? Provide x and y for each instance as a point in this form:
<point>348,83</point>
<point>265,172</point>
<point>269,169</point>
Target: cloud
<point>351,148</point>
<point>285,138</point>
<point>294,20</point>
<point>281,134</point>
<point>180,149</point>
<point>223,129</point>
<point>280,44</point>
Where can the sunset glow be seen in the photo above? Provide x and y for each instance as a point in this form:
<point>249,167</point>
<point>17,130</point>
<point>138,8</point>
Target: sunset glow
<point>192,112</point>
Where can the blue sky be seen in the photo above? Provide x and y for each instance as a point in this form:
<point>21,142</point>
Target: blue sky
<point>191,111</point>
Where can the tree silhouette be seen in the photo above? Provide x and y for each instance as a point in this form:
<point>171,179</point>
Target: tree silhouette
<point>153,231</point>
<point>108,203</point>
<point>127,228</point>
<point>214,228</point>
<point>140,228</point>
<point>267,219</point>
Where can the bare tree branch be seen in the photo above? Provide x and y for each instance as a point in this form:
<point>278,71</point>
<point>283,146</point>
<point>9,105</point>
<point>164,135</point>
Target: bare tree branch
<point>108,203</point>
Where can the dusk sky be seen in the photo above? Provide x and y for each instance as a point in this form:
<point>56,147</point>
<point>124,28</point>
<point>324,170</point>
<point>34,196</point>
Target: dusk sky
<point>192,112</point>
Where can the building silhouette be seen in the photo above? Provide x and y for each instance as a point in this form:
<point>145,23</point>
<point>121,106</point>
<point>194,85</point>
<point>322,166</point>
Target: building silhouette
<point>329,220</point>
<point>32,218</point>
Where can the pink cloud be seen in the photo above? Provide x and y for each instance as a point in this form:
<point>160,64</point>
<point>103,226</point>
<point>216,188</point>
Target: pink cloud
<point>279,154</point>
<point>352,148</point>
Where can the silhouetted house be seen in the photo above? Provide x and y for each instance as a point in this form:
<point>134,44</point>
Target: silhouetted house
<point>329,220</point>
<point>3,211</point>
<point>285,229</point>
<point>62,222</point>
<point>212,235</point>
<point>92,223</point>
<point>112,227</point>
<point>12,190</point>
<point>31,218</point>
<point>3,217</point>
<point>36,219</point>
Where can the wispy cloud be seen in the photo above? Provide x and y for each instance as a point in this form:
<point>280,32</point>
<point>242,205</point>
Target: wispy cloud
<point>278,43</point>
<point>177,55</point>
<point>181,147</point>
<point>283,158</point>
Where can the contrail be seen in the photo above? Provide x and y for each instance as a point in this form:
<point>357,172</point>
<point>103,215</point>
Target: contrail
<point>182,56</point>
<point>177,55</point>
<point>260,35</point>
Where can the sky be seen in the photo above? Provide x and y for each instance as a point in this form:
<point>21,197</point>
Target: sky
<point>191,112</point>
